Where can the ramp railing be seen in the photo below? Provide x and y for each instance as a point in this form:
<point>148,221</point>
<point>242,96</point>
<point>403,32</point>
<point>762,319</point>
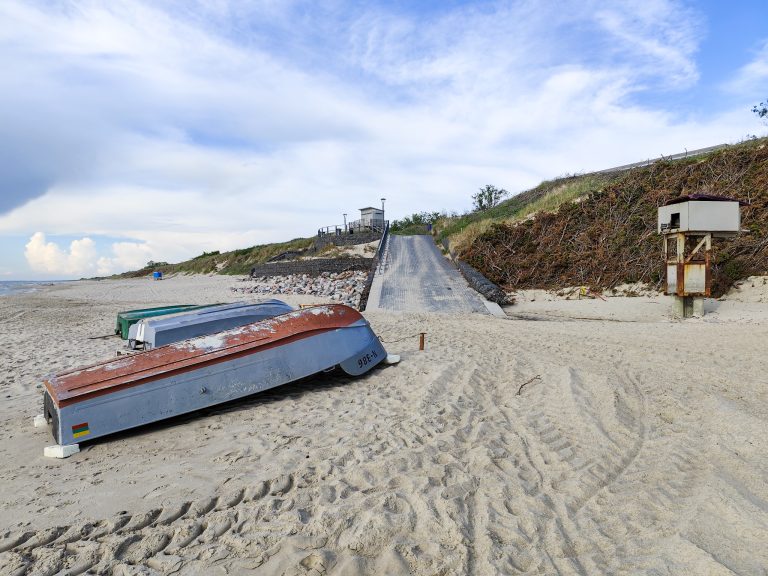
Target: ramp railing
<point>378,259</point>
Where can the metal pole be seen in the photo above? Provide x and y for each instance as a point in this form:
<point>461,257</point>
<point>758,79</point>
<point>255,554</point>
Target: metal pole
<point>382,208</point>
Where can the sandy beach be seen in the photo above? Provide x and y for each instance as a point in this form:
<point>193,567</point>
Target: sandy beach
<point>573,437</point>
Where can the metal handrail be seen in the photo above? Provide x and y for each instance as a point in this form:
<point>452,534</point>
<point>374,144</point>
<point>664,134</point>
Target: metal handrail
<point>378,226</point>
<point>649,161</point>
<point>377,258</point>
<point>333,229</point>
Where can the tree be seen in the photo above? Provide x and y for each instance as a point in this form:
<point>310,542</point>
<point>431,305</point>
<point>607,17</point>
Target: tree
<point>761,109</point>
<point>415,220</point>
<point>488,197</point>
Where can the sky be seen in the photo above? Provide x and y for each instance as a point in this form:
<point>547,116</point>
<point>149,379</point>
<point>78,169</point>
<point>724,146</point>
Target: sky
<point>133,131</point>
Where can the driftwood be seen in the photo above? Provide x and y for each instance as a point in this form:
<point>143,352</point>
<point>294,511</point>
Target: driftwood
<point>537,377</point>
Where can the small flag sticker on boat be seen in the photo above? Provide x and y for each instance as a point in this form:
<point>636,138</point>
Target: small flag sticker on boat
<point>79,430</point>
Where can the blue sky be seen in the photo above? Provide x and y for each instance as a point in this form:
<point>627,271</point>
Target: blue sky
<point>136,131</point>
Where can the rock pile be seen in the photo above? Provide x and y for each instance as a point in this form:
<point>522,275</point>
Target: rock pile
<point>344,287</point>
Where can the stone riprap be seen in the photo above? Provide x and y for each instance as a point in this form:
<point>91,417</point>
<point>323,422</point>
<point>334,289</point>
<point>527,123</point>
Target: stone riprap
<point>482,285</point>
<point>311,267</point>
<point>343,287</point>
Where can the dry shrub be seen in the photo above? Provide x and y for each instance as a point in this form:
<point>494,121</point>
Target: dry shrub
<point>610,237</point>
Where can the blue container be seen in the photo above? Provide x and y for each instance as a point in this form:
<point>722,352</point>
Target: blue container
<point>157,275</point>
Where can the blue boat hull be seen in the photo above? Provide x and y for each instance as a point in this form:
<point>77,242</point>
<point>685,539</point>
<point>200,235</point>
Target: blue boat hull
<point>353,347</point>
<point>153,332</point>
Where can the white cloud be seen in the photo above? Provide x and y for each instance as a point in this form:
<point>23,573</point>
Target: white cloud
<point>126,256</point>
<point>49,258</point>
<point>181,130</point>
<point>752,78</point>
<point>662,36</point>
<point>82,258</point>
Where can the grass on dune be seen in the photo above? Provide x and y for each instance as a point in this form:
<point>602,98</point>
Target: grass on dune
<point>236,262</point>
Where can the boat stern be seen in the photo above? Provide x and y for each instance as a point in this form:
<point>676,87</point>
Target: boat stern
<point>369,354</point>
<point>51,414</point>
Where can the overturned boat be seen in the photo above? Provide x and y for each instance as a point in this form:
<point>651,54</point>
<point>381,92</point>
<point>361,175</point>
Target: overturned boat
<point>115,395</point>
<point>153,332</point>
<point>127,318</point>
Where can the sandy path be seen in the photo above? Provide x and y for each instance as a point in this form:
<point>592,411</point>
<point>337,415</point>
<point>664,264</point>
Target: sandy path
<point>634,448</point>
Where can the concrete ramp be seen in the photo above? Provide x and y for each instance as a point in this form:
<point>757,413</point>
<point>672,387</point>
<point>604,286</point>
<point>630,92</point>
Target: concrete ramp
<point>414,276</point>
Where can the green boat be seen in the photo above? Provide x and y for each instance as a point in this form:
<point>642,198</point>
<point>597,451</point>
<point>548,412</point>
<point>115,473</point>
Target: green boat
<point>128,317</point>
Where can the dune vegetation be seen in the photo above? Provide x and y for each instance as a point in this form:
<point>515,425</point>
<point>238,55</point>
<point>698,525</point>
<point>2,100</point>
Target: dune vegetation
<point>235,262</point>
<point>599,230</point>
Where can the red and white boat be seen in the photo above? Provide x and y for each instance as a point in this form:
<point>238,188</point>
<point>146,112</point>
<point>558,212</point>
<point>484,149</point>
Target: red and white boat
<point>185,376</point>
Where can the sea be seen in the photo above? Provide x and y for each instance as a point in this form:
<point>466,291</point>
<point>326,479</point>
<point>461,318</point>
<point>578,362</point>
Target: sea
<point>8,287</point>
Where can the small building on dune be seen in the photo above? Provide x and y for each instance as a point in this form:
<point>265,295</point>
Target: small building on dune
<point>371,217</point>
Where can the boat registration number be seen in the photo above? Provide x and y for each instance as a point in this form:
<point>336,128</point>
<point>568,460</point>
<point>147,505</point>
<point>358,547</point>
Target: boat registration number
<point>366,359</point>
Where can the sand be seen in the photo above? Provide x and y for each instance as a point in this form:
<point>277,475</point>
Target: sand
<point>574,437</point>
